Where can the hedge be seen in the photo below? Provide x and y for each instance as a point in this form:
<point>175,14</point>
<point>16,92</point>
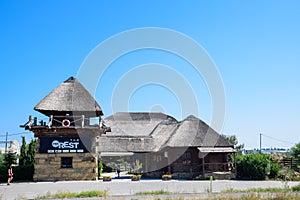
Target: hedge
<point>256,166</point>
<point>21,173</point>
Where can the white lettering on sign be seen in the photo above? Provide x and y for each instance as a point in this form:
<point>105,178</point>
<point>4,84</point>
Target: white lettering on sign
<point>65,145</point>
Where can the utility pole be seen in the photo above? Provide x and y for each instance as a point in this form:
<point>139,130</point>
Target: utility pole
<point>260,142</point>
<point>6,143</point>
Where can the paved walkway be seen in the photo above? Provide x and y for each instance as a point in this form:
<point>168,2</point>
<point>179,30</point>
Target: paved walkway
<point>31,190</point>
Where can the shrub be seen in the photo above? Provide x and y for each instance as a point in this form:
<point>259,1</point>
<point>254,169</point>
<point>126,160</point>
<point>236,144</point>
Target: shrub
<point>106,178</point>
<point>296,188</point>
<point>287,174</point>
<point>158,192</point>
<point>136,176</point>
<point>169,176</point>
<point>166,177</point>
<point>296,150</point>
<point>24,173</point>
<point>20,173</point>
<point>274,170</point>
<point>256,166</point>
<point>107,168</point>
<point>202,177</point>
<point>64,195</point>
<point>100,168</point>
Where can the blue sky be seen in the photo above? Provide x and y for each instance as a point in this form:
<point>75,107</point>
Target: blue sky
<point>254,44</point>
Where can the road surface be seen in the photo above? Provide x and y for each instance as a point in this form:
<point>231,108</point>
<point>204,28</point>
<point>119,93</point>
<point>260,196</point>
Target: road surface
<point>32,190</point>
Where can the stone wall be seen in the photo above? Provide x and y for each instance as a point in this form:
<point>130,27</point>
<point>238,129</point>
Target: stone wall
<point>48,167</point>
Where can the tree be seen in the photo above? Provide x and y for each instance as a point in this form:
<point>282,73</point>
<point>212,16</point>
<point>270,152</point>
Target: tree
<point>1,159</point>
<point>10,158</point>
<point>27,153</point>
<point>234,141</point>
<point>23,152</point>
<point>30,153</point>
<point>296,150</point>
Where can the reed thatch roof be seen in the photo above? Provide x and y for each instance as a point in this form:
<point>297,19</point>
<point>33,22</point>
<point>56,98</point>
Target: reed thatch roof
<point>135,124</point>
<point>193,132</point>
<point>70,96</point>
<point>134,132</point>
<point>151,132</point>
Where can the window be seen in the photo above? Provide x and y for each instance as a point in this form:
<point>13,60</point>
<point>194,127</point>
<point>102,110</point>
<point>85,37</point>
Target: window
<point>157,158</point>
<point>186,158</point>
<point>66,162</point>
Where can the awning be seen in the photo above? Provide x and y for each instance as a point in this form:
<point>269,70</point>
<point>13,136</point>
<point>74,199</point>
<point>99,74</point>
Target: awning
<point>108,154</point>
<point>216,149</point>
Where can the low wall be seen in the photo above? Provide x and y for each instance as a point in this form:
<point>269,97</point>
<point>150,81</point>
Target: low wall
<point>48,167</point>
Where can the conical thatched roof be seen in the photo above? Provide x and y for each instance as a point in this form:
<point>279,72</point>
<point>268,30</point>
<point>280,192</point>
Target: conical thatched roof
<point>68,97</point>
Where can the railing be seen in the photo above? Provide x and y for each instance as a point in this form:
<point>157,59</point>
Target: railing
<point>63,122</point>
<point>291,163</point>
<point>207,167</point>
<point>218,167</point>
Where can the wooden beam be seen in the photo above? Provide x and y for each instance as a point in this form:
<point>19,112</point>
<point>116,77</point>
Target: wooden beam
<point>203,169</point>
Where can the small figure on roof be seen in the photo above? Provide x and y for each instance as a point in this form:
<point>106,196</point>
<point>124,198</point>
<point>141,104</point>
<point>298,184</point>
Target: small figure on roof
<point>28,124</point>
<point>102,123</point>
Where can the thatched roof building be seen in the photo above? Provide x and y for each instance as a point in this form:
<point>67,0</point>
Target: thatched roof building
<point>151,132</point>
<point>69,96</point>
<point>66,146</point>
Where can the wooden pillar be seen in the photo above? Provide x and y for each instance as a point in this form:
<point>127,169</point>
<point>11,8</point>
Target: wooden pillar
<point>235,168</point>
<point>146,163</point>
<point>203,168</point>
<point>169,166</point>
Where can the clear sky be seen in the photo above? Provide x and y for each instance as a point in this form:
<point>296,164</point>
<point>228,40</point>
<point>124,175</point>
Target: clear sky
<point>254,44</point>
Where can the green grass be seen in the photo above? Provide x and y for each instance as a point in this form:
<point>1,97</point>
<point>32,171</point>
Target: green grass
<point>258,190</point>
<point>257,196</point>
<point>158,192</point>
<point>251,196</point>
<point>93,193</point>
<point>295,188</point>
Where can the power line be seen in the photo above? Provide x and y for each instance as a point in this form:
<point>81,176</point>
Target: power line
<point>20,133</point>
<point>279,140</point>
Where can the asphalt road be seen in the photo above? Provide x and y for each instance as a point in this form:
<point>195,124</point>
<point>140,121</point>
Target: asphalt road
<point>32,190</point>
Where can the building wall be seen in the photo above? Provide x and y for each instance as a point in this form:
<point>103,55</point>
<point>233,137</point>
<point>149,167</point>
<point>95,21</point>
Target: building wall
<point>53,147</point>
<point>48,167</point>
<point>180,162</point>
<point>187,164</point>
<point>215,162</point>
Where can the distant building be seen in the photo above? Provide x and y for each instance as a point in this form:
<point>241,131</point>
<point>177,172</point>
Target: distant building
<point>268,150</point>
<point>13,147</point>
